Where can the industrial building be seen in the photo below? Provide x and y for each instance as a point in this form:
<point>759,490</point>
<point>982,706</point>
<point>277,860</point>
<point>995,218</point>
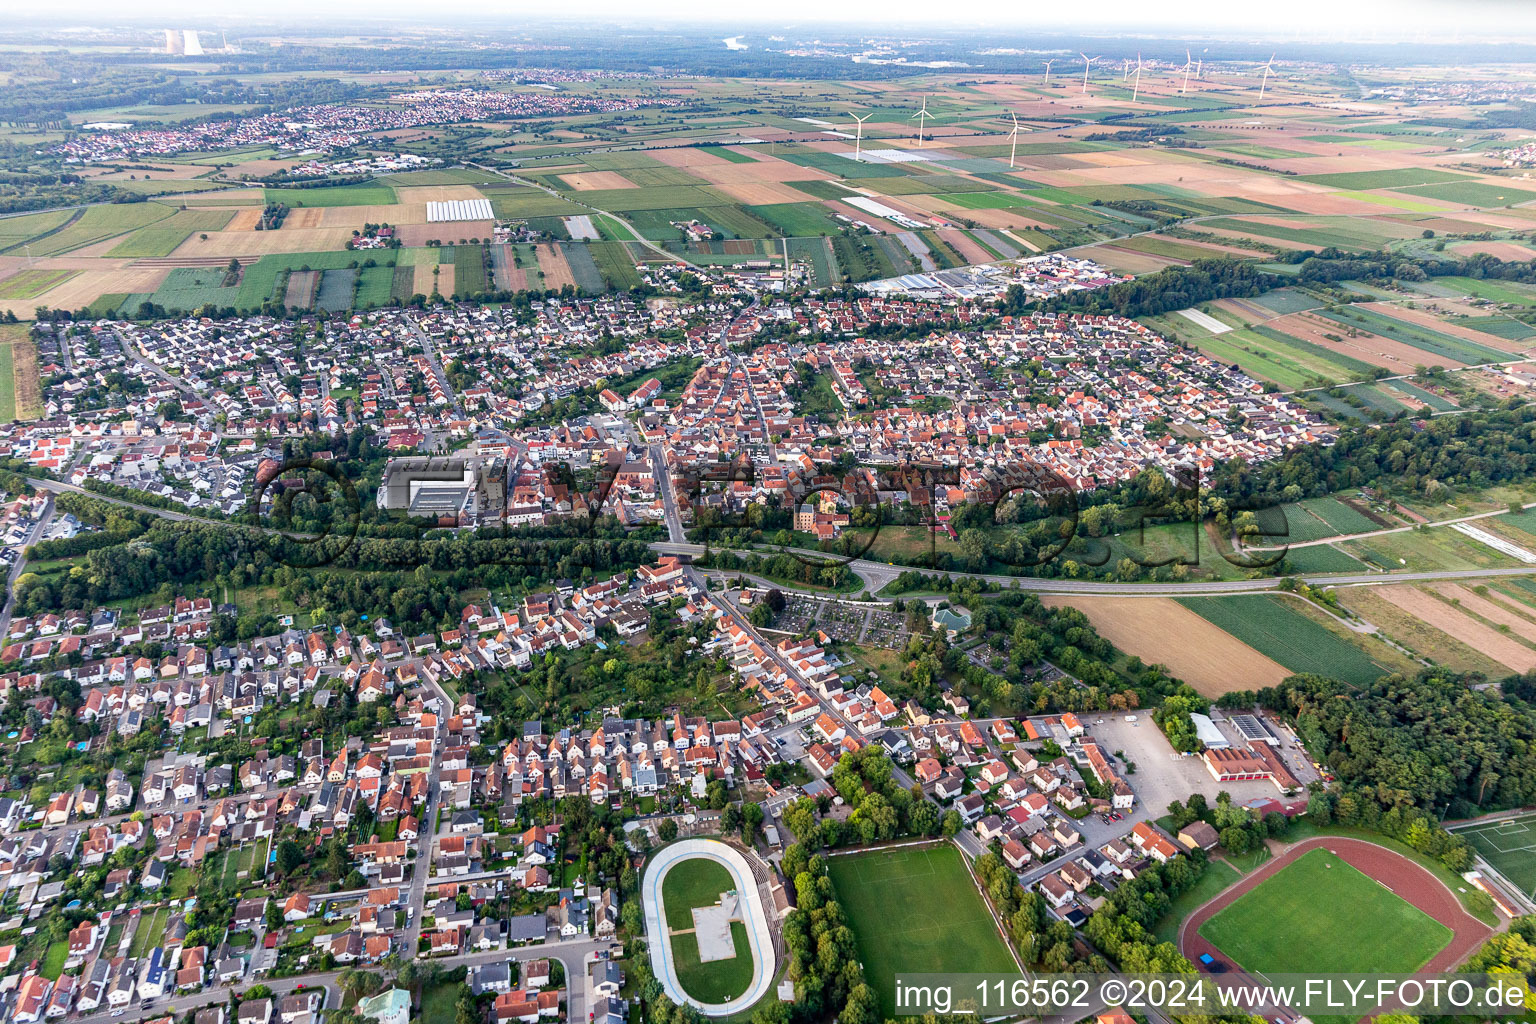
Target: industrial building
<point>444,487</point>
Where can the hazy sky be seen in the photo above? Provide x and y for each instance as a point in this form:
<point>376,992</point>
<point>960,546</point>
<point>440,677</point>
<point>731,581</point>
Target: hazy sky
<point>1340,20</point>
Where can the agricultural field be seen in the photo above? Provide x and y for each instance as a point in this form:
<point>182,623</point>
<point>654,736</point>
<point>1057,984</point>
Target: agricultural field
<point>375,285</point>
<point>1435,344</point>
<point>29,284</point>
<point>99,223</point>
<point>336,287</point>
<point>1161,631</point>
<point>1337,919</point>
<point>163,238</point>
<point>1277,629</point>
<point>1417,635</point>
<point>20,390</point>
<point>945,925</point>
<point>344,195</point>
<point>15,231</point>
<point>469,269</point>
<point>614,264</point>
<point>192,288</point>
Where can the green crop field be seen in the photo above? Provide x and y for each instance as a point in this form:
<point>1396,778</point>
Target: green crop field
<point>1340,517</point>
<point>336,288</point>
<point>797,219</point>
<point>162,238</point>
<point>98,223</point>
<point>658,197</point>
<point>986,200</point>
<point>375,285</point>
<point>1336,919</point>
<point>1495,291</point>
<point>614,263</point>
<point>340,195</point>
<point>1427,339</point>
<point>403,283</point>
<point>29,284</point>
<point>259,281</point>
<point>1509,846</point>
<point>1323,558</point>
<point>661,174</point>
<point>14,231</point>
<point>1302,525</point>
<point>518,202</point>
<point>1474,193</point>
<point>915,909</point>
<point>1398,178</point>
<point>611,229</point>
<point>818,253</point>
<point>190,288</point>
<point>9,339</point>
<point>1340,232</point>
<point>823,189</point>
<point>1270,355</point>
<point>583,268</point>
<point>469,269</point>
<point>440,176</point>
<point>727,154</point>
<point>1273,627</point>
<point>734,222</point>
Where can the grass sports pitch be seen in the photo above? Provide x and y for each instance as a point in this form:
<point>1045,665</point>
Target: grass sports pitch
<point>1336,919</point>
<point>916,909</point>
<point>1509,846</point>
<point>698,882</point>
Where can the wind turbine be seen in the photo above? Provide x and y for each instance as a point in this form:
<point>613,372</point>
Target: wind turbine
<point>1136,89</point>
<point>1187,63</point>
<point>1125,69</point>
<point>1048,72</point>
<point>1269,69</point>
<point>1087,63</point>
<point>858,142</point>
<point>921,117</point>
<point>1014,135</point>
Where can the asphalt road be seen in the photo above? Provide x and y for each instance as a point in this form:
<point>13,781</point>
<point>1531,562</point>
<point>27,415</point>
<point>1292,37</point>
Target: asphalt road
<point>1058,586</point>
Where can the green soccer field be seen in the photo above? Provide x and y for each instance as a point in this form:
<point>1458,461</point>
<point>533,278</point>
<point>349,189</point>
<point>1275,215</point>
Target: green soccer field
<point>1509,846</point>
<point>915,909</point>
<point>1335,919</point>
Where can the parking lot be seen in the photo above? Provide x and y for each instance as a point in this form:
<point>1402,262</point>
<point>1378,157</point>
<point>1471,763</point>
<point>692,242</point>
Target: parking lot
<point>1163,775</point>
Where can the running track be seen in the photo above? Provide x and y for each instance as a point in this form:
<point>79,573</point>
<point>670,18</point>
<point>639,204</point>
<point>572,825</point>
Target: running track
<point>1405,878</point>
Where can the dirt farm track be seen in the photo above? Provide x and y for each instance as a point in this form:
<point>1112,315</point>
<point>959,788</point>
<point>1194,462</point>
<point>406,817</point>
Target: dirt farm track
<point>1405,878</point>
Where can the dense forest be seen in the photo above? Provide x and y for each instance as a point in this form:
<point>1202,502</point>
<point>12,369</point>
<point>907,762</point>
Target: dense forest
<point>1429,742</point>
<point>415,582</point>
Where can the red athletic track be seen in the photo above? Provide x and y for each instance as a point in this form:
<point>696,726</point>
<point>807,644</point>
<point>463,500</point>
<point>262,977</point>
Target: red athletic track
<point>1405,878</point>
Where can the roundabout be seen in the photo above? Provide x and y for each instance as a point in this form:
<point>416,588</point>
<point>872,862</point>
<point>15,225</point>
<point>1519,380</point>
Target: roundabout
<point>710,942</point>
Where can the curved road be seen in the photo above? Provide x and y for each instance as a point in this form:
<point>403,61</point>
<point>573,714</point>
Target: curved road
<point>869,570</point>
<point>878,574</point>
